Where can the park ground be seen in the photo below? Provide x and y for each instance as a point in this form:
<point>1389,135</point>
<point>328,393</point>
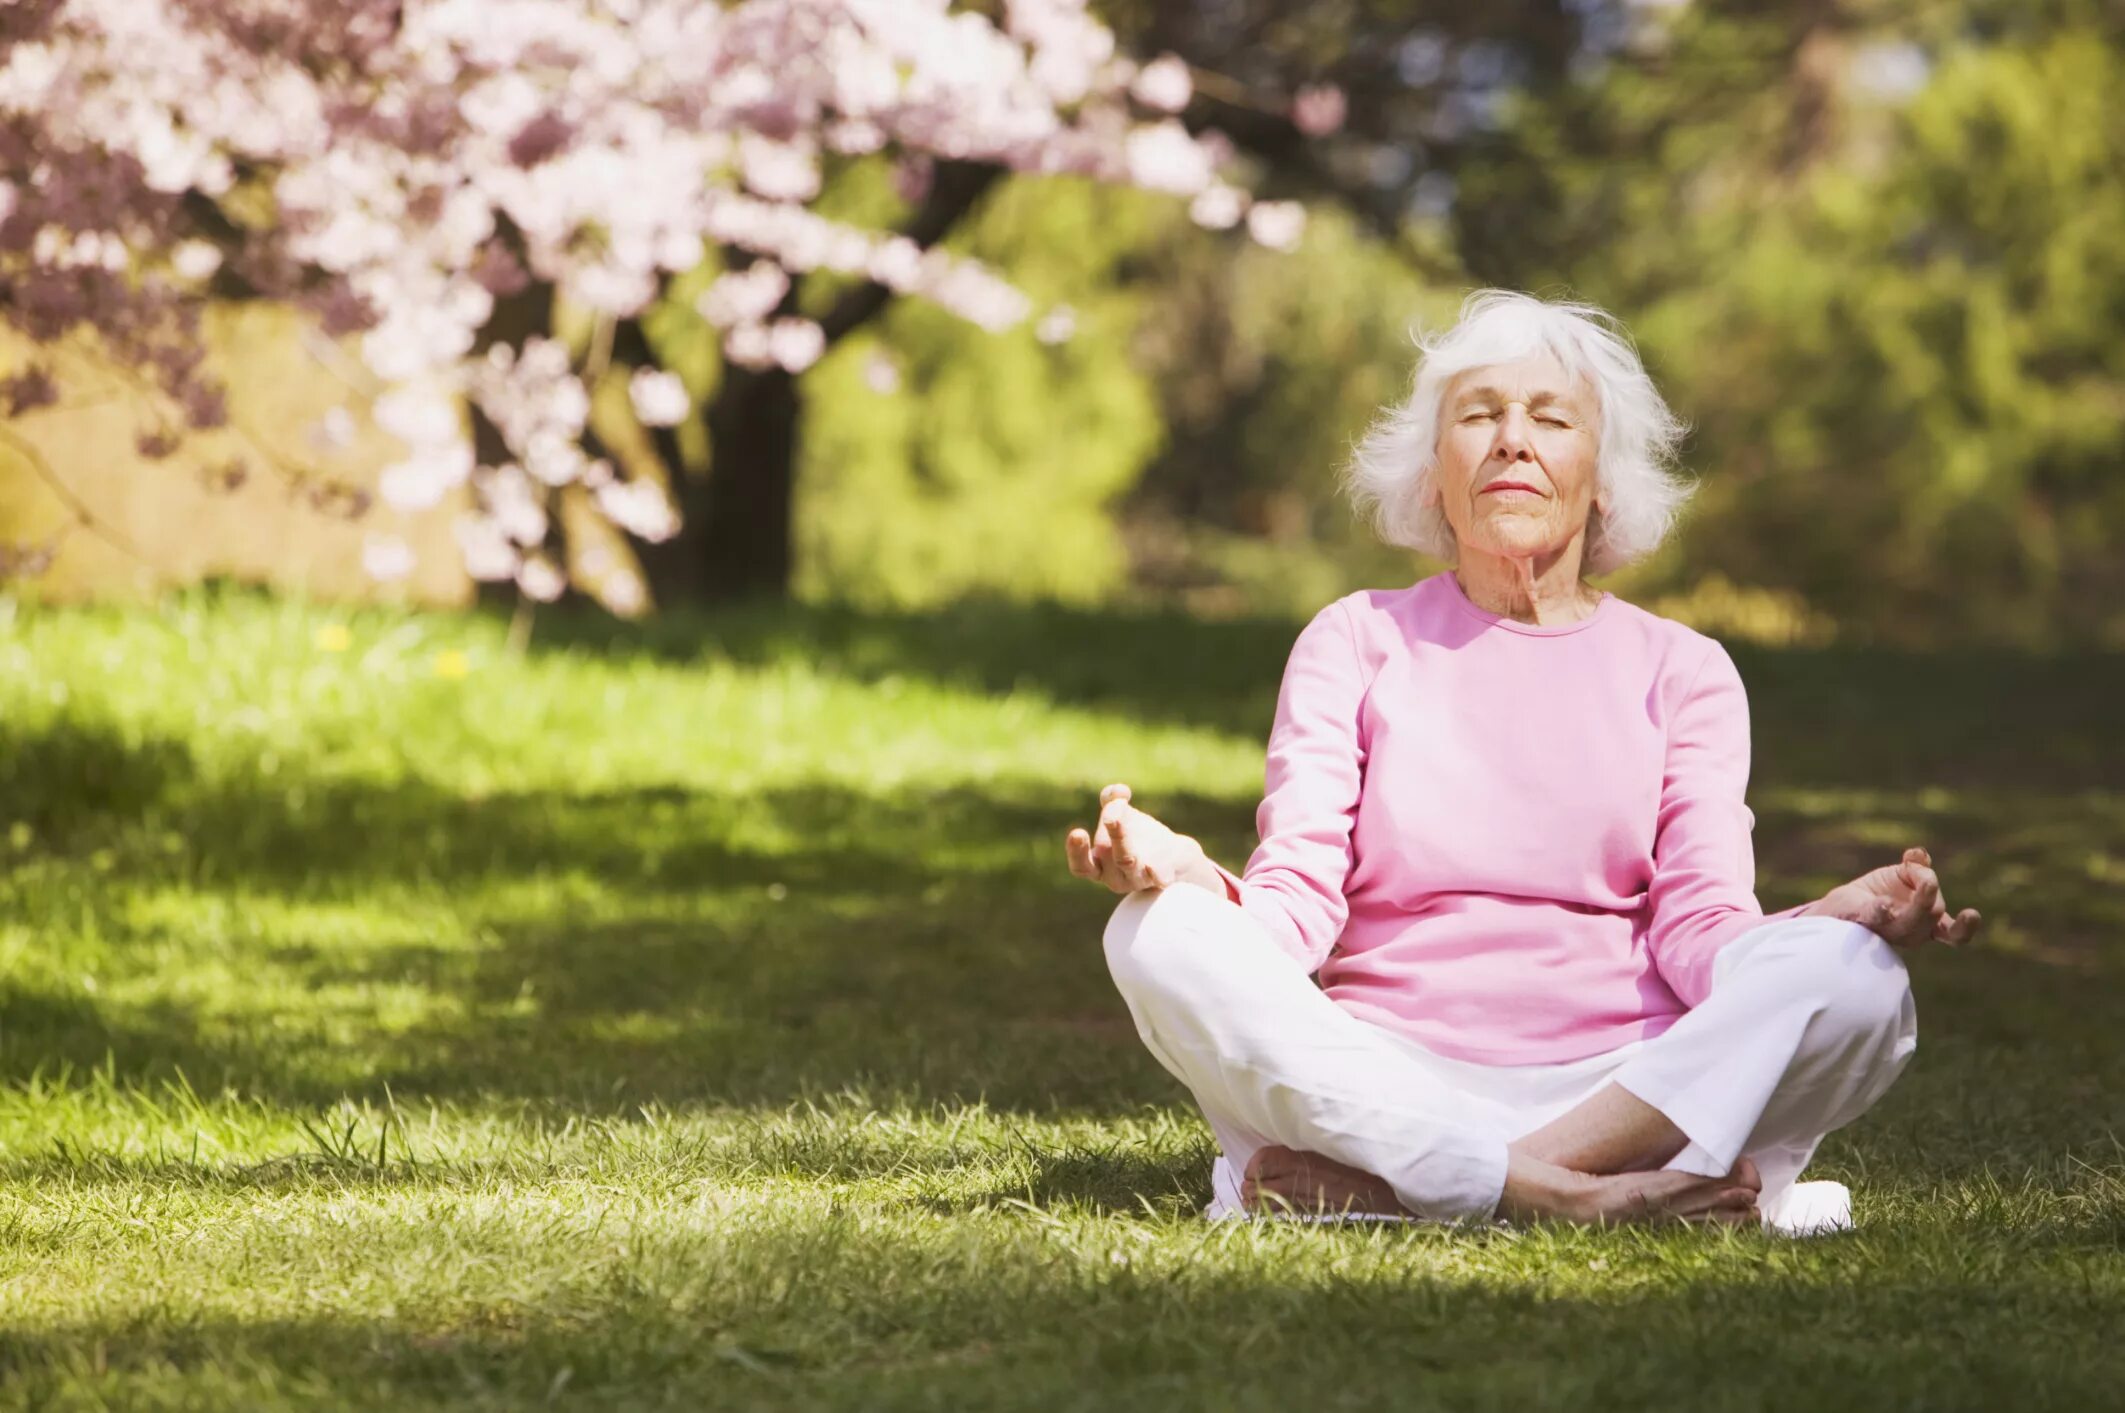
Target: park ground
<point>700,1015</point>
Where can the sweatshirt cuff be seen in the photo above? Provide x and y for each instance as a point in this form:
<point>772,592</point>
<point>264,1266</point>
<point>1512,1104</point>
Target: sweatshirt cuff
<point>1690,974</point>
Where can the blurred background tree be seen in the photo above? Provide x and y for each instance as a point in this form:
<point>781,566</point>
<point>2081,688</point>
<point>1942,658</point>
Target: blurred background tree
<point>1870,251</point>
<point>1867,248</point>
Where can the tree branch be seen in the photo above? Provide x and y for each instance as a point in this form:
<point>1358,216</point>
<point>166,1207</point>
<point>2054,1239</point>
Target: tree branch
<point>955,187</point>
<point>87,518</point>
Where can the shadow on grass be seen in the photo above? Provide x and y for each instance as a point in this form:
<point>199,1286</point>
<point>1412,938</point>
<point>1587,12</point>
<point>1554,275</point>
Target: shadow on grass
<point>1153,665</point>
<point>1118,1178</point>
<point>670,945</point>
<point>837,1322</point>
<point>603,950</point>
<point>1838,717</point>
<point>1121,1177</point>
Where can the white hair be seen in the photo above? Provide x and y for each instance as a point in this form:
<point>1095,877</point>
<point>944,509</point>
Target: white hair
<point>1393,472</point>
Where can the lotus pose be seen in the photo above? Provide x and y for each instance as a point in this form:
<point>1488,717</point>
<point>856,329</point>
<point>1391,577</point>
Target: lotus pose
<point>1503,822</point>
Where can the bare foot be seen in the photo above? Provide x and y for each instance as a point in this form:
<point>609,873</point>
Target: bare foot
<point>1314,1183</point>
<point>1535,1190</point>
<point>1278,1177</point>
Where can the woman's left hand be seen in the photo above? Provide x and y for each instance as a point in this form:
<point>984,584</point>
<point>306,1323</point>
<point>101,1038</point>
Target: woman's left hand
<point>1901,903</point>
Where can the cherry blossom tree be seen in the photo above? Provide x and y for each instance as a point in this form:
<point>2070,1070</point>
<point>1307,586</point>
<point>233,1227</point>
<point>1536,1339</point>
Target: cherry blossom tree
<point>442,181</point>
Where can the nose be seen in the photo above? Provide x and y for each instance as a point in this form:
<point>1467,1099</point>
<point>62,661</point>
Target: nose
<point>1513,441</point>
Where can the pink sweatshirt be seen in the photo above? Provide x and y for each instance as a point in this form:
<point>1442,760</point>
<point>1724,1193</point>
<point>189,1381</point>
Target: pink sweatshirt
<point>1514,844</point>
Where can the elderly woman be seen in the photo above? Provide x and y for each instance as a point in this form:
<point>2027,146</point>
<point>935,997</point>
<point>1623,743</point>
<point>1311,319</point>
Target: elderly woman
<point>1504,822</point>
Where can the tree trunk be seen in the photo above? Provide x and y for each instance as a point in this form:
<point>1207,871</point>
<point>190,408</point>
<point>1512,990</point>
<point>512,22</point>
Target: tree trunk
<point>735,540</point>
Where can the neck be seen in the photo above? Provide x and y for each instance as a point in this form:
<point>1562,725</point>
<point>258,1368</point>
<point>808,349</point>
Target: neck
<point>1542,589</point>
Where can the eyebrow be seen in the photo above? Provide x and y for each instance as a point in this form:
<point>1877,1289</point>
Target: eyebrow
<point>1490,394</point>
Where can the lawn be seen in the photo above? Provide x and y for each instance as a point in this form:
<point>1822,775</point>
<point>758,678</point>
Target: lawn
<point>701,1015</point>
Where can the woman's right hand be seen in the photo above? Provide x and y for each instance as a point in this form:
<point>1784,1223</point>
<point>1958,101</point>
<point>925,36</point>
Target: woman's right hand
<point>1128,850</point>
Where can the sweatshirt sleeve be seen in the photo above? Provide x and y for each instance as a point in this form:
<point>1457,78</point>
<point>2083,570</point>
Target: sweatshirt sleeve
<point>1313,774</point>
<point>1702,895</point>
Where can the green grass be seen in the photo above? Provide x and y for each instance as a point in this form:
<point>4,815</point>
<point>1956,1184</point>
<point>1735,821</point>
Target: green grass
<point>701,1015</point>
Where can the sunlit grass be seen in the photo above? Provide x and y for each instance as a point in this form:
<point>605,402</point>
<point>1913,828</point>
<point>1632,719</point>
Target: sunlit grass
<point>700,1015</point>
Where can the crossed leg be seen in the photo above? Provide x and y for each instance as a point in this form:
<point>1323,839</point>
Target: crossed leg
<point>1809,1022</point>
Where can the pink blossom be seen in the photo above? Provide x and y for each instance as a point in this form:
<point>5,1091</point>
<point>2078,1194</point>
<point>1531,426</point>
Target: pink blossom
<point>423,479</point>
<point>779,171</point>
<point>747,346</point>
<point>195,260</point>
<point>881,374</point>
<point>488,556</point>
<point>334,431</point>
<point>660,398</point>
<point>386,557</point>
<point>1218,207</point>
<point>540,580</point>
<point>744,296</point>
<point>1277,224</point>
<point>514,504</point>
<point>795,343</point>
<point>639,507</point>
<point>1057,325</point>
<point>896,263</point>
<point>1164,157</point>
<point>419,415</point>
<point>1319,109</point>
<point>1164,84</point>
<point>411,171</point>
<point>613,290</point>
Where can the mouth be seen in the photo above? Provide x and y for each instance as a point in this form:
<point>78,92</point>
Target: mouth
<point>1508,487</point>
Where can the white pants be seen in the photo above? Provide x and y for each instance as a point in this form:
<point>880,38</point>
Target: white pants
<point>1808,1023</point>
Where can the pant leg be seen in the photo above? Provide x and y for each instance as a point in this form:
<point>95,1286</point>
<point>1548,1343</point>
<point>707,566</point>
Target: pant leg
<point>1808,1023</point>
<point>1269,1057</point>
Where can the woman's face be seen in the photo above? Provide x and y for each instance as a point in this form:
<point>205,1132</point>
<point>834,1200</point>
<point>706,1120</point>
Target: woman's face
<point>1517,446</point>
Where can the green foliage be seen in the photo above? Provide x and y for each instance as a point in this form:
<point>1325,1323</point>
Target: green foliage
<point>702,1014</point>
<point>1187,437</point>
<point>1270,365</point>
<point>994,465</point>
<point>1897,328</point>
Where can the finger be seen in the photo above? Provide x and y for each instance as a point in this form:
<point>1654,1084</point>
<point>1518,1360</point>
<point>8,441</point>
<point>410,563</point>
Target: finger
<point>1963,927</point>
<point>1112,793</point>
<point>1077,845</point>
<point>1118,830</point>
<point>1103,834</point>
<point>1917,855</point>
<point>1914,914</point>
<point>1106,871</point>
<point>1914,923</point>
